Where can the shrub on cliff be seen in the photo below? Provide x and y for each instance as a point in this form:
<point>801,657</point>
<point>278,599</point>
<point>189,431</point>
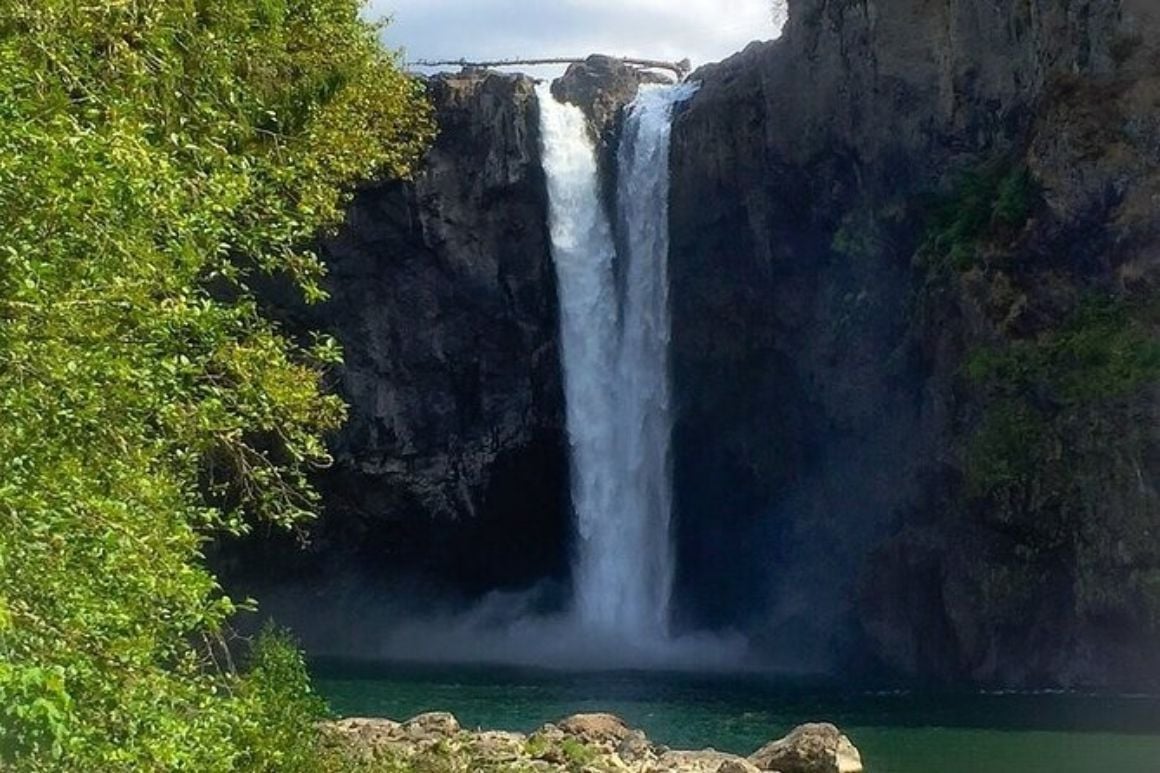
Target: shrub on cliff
<point>155,157</point>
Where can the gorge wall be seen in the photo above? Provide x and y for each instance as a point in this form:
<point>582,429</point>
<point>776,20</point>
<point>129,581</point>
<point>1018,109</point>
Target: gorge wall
<point>452,470</point>
<point>915,250</point>
<point>445,302</point>
<point>862,210</point>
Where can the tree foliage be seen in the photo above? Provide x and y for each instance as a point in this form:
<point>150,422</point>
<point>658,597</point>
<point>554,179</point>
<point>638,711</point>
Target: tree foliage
<point>155,157</point>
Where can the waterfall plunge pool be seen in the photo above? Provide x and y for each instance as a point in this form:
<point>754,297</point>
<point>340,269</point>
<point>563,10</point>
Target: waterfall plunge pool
<point>897,731</point>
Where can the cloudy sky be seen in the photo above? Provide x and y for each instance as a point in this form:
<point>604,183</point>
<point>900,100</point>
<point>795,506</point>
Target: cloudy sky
<point>702,30</point>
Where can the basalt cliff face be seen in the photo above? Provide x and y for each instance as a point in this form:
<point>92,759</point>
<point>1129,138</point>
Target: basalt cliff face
<point>452,467</point>
<point>907,239</point>
<point>444,298</point>
<point>915,256</point>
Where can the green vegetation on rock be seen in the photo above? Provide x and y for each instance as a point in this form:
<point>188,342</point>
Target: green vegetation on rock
<point>988,201</point>
<point>155,157</point>
<point>577,754</point>
<point>1062,436</point>
<point>1035,387</point>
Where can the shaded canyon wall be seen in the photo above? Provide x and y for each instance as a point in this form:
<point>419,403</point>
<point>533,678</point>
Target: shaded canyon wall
<point>450,476</point>
<point>862,212</point>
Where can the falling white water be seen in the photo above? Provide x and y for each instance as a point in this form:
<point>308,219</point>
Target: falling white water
<point>608,592</point>
<point>615,341</point>
<point>644,410</point>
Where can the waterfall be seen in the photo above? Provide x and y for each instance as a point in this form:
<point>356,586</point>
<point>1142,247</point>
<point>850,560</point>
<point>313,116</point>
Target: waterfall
<point>615,330</point>
<point>644,406</point>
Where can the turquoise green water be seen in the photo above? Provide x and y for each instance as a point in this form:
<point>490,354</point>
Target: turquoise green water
<point>896,731</point>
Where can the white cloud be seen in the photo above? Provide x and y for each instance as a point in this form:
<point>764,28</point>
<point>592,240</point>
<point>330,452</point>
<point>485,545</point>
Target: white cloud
<point>702,30</point>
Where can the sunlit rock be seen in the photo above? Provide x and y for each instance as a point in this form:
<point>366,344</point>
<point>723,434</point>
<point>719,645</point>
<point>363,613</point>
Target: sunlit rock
<point>817,748</point>
<point>594,743</point>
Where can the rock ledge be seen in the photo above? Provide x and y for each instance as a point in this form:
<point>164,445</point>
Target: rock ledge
<point>584,743</point>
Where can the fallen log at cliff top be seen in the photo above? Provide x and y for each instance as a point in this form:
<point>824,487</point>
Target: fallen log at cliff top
<point>601,743</point>
<point>681,68</point>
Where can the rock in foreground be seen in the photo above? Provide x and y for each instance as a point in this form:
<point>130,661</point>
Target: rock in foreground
<point>585,743</point>
<point>810,749</point>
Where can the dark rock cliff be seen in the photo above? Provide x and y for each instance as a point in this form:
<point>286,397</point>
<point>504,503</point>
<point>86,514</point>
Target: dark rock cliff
<point>452,466</point>
<point>445,302</point>
<point>860,211</point>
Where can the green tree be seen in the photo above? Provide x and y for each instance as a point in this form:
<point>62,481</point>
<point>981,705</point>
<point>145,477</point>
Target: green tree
<point>155,157</point>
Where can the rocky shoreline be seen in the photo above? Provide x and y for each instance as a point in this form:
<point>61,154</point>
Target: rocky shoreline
<point>584,743</point>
